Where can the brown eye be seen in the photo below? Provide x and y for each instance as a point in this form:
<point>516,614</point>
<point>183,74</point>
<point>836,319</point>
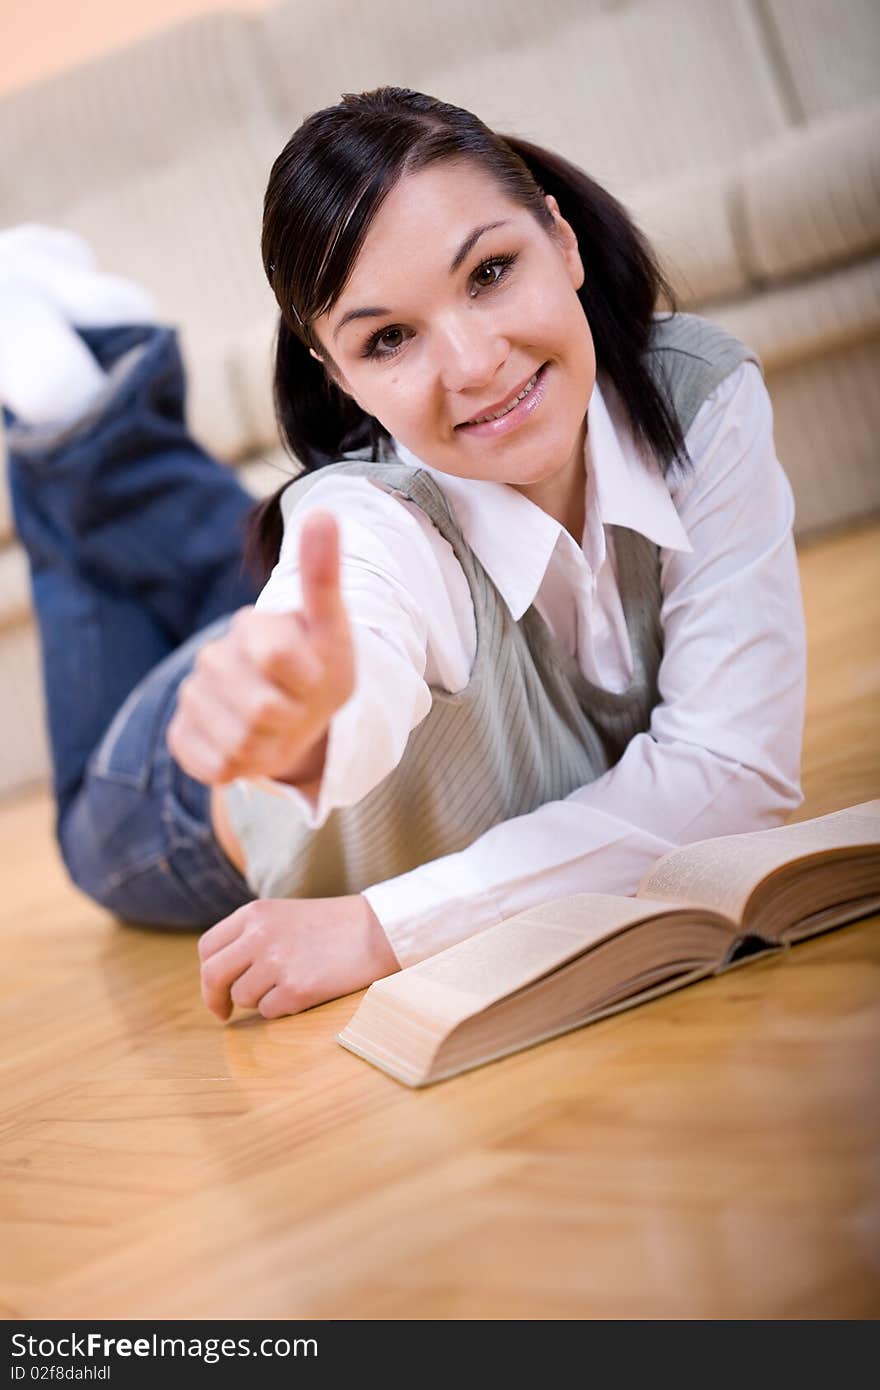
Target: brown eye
<point>491,273</point>
<point>379,344</point>
<point>488,271</point>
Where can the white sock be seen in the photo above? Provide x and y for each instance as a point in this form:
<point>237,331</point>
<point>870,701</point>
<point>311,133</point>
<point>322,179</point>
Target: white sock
<point>90,298</point>
<point>49,281</point>
<point>55,242</point>
<point>47,373</point>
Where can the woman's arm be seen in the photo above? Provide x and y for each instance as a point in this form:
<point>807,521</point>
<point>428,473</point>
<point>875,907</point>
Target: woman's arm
<point>722,753</point>
<point>282,956</point>
<point>314,689</point>
<point>259,699</point>
<point>394,604</point>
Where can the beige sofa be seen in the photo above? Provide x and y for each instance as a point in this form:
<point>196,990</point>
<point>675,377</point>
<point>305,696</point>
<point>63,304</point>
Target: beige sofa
<point>743,134</point>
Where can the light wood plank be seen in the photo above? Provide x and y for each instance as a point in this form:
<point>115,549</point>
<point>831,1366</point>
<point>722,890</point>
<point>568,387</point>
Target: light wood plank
<point>713,1154</point>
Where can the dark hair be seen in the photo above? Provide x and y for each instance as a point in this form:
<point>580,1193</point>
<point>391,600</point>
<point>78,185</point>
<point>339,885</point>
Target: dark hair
<point>324,190</point>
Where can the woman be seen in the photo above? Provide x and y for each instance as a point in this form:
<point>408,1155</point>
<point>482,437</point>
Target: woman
<point>534,615</point>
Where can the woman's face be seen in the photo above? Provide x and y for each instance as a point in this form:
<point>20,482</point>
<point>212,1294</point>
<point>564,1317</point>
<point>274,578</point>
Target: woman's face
<point>446,318</point>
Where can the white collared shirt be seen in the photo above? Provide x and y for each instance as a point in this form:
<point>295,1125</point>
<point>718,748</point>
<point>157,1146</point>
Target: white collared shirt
<point>722,753</point>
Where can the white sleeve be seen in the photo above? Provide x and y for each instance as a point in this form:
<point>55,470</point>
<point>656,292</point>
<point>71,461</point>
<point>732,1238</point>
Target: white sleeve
<point>383,551</point>
<point>722,753</point>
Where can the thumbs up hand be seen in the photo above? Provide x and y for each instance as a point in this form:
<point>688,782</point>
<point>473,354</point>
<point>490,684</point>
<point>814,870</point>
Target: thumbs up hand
<point>260,699</point>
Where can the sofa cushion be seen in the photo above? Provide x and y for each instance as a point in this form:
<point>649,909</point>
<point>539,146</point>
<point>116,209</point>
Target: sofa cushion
<point>317,52</point>
<point>159,155</point>
<point>812,197</point>
<point>15,586</point>
<point>252,364</point>
<point>689,222</point>
<point>24,757</point>
<point>802,321</point>
<point>826,421</point>
<point>214,409</point>
<point>827,52</point>
<point>631,92</point>
<point>140,108</point>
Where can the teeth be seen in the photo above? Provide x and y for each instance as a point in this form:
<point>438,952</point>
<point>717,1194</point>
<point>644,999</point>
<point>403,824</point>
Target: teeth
<point>479,420</point>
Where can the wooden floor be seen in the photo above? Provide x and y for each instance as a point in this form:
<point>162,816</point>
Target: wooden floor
<point>713,1154</point>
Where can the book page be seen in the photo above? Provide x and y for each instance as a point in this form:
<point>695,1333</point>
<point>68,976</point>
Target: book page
<point>449,987</point>
<point>722,873</point>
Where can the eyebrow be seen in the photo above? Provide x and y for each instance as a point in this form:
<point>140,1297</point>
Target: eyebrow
<point>373,312</point>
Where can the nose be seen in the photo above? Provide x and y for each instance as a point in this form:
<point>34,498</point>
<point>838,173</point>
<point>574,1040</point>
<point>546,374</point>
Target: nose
<point>470,353</point>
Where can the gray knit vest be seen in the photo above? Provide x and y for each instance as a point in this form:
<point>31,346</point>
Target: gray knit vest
<point>528,727</point>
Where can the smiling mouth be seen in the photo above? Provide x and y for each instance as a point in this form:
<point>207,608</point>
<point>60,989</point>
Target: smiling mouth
<point>505,409</point>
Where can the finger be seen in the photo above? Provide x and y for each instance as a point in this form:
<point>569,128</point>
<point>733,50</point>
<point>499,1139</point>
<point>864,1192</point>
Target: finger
<point>281,650</point>
<point>206,733</point>
<point>219,974</point>
<point>323,607</point>
<point>227,930</point>
<point>191,750</point>
<point>249,988</point>
<point>264,660</point>
<point>276,1003</point>
<point>221,743</point>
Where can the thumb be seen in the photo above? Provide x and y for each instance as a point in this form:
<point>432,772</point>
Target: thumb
<point>323,608</point>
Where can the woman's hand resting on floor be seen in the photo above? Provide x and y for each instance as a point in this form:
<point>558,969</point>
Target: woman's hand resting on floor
<point>282,955</point>
<point>259,700</point>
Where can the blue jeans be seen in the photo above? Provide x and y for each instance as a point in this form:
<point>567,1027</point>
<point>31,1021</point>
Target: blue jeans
<point>134,537</point>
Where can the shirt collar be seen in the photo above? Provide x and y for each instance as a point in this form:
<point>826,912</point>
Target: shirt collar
<point>514,539</point>
<point>629,488</point>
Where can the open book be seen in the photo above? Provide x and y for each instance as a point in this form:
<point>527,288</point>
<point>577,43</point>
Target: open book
<point>698,911</point>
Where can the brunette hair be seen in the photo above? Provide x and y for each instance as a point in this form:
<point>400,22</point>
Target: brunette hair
<point>324,190</point>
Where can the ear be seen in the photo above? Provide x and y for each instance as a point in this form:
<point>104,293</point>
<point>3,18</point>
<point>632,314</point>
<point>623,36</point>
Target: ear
<point>568,243</point>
